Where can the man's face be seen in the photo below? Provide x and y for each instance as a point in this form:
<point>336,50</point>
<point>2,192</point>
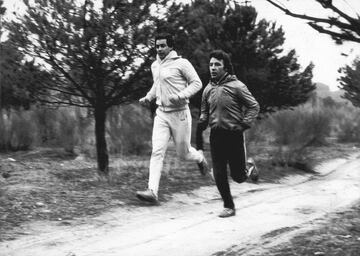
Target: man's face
<point>216,67</point>
<point>162,48</point>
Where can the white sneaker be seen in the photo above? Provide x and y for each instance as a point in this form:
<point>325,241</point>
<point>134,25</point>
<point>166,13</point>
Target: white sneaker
<point>147,196</point>
<point>251,170</point>
<point>227,212</point>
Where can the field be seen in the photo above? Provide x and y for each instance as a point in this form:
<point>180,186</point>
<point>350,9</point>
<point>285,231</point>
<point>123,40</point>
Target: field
<point>52,185</point>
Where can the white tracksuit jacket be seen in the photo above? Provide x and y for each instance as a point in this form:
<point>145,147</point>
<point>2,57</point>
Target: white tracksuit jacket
<point>173,75</point>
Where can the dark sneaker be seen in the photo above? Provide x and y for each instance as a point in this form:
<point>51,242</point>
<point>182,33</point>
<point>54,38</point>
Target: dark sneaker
<point>147,196</point>
<point>227,212</point>
<point>204,168</point>
<point>251,170</point>
<point>211,174</point>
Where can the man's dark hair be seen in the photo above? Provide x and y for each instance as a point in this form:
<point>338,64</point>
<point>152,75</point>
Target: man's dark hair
<point>169,38</point>
<point>221,55</point>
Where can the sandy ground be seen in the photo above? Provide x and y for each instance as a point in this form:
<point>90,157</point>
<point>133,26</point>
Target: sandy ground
<point>267,215</point>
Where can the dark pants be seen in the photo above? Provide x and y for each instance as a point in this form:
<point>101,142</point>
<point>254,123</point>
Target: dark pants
<point>227,147</point>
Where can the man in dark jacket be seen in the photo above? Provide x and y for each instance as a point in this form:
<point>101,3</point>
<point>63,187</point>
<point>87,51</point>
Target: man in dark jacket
<point>228,108</point>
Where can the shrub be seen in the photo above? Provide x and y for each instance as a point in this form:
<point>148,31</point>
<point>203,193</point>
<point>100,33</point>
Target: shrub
<point>85,129</point>
<point>17,130</point>
<point>4,133</point>
<point>68,130</point>
<point>57,127</point>
<point>23,131</point>
<point>259,132</point>
<point>129,129</point>
<point>348,128</point>
<point>294,130</point>
<point>301,127</point>
<point>47,123</point>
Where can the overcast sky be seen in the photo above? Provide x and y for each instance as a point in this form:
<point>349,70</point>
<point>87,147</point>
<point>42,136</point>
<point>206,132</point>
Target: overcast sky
<point>309,44</point>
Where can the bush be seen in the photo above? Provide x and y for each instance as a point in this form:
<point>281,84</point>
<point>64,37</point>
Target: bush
<point>68,130</point>
<point>301,127</point>
<point>295,130</point>
<point>47,123</point>
<point>348,128</point>
<point>4,133</point>
<point>259,132</point>
<point>17,131</point>
<point>58,127</point>
<point>129,129</point>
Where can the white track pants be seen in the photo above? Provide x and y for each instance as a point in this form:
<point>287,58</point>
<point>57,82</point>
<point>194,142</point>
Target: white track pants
<point>177,125</point>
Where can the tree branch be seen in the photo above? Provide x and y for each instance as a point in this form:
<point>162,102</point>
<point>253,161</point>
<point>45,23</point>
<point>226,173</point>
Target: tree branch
<point>311,18</point>
<point>117,92</point>
<point>64,103</point>
<point>58,89</point>
<point>355,23</point>
<point>344,36</point>
<point>77,86</point>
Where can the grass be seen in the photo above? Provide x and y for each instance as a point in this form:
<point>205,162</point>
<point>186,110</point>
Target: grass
<point>337,235</point>
<point>50,184</point>
<point>53,185</point>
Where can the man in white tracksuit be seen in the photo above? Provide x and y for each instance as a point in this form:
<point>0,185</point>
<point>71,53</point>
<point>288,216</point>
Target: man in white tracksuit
<point>175,81</point>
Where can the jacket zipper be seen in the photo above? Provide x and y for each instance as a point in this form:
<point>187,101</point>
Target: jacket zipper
<point>161,96</point>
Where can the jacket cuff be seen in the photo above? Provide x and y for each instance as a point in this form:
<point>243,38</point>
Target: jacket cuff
<point>181,96</point>
<point>245,126</point>
<point>148,97</point>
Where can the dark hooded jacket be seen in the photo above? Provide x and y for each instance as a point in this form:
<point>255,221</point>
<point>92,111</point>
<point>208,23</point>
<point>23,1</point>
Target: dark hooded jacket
<point>228,104</point>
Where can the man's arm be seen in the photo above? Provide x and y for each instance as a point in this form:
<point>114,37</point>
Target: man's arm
<point>252,106</point>
<point>151,93</point>
<point>149,96</point>
<point>203,121</point>
<point>204,110</point>
<point>193,79</point>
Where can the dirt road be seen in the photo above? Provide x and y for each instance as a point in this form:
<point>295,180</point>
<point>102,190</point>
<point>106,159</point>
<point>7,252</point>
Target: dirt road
<point>267,214</point>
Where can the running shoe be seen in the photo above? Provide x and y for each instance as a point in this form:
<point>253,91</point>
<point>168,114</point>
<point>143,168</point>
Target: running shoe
<point>204,166</point>
<point>147,196</point>
<point>227,212</point>
<point>252,170</point>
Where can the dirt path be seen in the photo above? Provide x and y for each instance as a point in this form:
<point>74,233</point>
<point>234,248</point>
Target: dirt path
<point>267,214</point>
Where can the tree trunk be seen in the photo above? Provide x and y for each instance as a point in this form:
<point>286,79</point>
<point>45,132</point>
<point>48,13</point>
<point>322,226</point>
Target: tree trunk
<point>101,147</point>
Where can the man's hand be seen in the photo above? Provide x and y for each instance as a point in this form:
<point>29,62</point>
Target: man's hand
<point>175,99</point>
<point>144,101</point>
<point>201,126</point>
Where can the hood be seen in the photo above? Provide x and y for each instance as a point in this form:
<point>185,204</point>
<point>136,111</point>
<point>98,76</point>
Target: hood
<point>172,55</point>
<point>225,79</point>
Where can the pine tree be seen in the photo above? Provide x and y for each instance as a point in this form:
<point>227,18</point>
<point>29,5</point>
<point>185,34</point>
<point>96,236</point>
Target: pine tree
<point>350,82</point>
<point>98,53</point>
<point>19,78</point>
<point>275,78</point>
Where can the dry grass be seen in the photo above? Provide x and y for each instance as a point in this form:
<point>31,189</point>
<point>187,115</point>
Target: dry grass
<point>50,184</point>
<point>338,234</point>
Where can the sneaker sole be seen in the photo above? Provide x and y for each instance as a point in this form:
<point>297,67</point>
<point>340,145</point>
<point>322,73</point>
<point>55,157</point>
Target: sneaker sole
<point>202,170</point>
<point>146,199</point>
<point>255,178</point>
<point>226,216</point>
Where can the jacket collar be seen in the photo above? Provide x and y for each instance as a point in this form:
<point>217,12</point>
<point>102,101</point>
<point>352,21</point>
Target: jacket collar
<point>224,79</point>
<point>172,55</point>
